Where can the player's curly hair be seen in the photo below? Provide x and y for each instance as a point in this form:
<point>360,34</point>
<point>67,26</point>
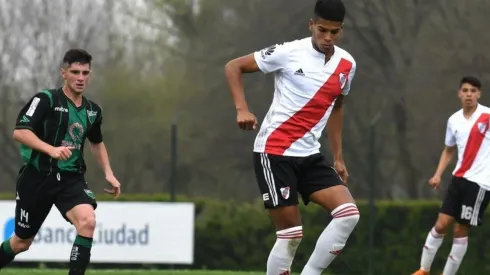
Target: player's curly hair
<point>332,10</point>
<point>77,56</point>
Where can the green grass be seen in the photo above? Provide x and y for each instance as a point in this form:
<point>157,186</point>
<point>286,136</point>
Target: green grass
<point>18,271</point>
<point>24,271</point>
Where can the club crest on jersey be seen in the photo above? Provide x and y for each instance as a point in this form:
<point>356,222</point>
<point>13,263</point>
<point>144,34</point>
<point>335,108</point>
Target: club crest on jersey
<point>342,79</point>
<point>482,127</point>
<point>285,192</point>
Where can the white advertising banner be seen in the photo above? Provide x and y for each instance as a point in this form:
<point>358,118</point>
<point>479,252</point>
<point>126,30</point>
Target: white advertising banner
<point>126,232</point>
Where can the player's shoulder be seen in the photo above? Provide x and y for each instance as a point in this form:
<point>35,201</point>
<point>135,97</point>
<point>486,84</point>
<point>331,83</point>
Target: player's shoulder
<point>92,105</point>
<point>485,109</point>
<point>455,117</point>
<point>343,53</point>
<point>286,46</point>
<point>46,94</point>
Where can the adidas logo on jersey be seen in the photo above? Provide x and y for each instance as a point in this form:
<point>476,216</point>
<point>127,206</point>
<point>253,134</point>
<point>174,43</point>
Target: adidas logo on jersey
<point>299,72</point>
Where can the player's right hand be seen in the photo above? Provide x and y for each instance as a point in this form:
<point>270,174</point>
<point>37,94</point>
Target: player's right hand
<point>246,120</point>
<point>62,152</point>
<point>435,182</point>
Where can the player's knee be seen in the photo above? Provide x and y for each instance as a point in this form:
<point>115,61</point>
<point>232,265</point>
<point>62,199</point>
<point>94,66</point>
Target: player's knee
<point>460,231</point>
<point>442,226</point>
<point>20,245</point>
<point>293,235</point>
<point>348,213</point>
<point>86,223</point>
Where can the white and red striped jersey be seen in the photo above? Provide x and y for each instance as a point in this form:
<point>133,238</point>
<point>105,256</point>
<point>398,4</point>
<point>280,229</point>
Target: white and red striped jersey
<point>305,91</point>
<point>472,138</point>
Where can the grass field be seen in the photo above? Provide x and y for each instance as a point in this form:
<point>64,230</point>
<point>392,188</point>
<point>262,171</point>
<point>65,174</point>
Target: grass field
<point>15,271</point>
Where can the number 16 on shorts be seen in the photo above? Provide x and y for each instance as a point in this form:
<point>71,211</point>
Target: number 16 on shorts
<point>466,212</point>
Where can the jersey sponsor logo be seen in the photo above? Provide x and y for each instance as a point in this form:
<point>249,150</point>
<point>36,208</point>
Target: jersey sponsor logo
<point>60,109</point>
<point>76,134</point>
<point>32,108</point>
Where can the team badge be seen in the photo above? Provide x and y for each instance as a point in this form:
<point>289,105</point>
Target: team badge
<point>89,193</point>
<point>285,192</point>
<point>342,80</point>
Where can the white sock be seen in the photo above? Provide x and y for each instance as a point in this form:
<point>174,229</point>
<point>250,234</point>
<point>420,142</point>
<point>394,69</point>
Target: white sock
<point>432,244</point>
<point>460,245</point>
<point>333,239</point>
<point>282,254</point>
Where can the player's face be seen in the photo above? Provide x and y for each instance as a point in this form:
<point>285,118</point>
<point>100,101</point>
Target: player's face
<point>469,95</point>
<point>76,76</point>
<point>325,33</point>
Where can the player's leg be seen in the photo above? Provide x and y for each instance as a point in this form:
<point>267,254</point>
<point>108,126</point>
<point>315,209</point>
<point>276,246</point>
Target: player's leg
<point>458,249</point>
<point>277,179</point>
<point>77,205</point>
<point>474,203</point>
<point>449,210</point>
<point>320,184</point>
<point>33,204</point>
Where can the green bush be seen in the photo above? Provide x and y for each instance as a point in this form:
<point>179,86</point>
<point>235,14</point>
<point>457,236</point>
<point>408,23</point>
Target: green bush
<point>400,232</point>
<point>239,236</point>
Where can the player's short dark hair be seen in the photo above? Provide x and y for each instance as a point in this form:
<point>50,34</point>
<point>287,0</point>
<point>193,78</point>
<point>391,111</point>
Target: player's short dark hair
<point>77,56</point>
<point>332,10</point>
<point>473,81</point>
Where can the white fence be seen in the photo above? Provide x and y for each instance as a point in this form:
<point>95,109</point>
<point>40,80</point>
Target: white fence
<point>126,232</point>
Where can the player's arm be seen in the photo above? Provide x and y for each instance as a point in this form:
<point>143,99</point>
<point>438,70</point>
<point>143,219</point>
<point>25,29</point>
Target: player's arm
<point>271,59</point>
<point>99,150</point>
<point>102,156</point>
<point>445,159</point>
<point>233,72</point>
<point>97,146</point>
<point>334,129</point>
<point>335,121</point>
<point>447,153</point>
<point>30,117</point>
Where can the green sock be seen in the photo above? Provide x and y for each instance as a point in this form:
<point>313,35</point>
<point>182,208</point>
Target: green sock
<point>7,255</point>
<point>80,255</point>
<point>7,248</point>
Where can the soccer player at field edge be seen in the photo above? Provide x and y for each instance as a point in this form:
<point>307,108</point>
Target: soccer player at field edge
<point>312,77</point>
<point>52,128</point>
<point>468,193</point>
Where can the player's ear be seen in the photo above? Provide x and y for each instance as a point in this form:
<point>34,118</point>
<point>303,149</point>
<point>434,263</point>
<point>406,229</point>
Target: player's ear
<point>62,72</point>
<point>310,24</point>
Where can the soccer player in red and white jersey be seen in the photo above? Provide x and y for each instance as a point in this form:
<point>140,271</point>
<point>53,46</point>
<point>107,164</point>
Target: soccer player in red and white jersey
<point>468,194</point>
<point>312,77</point>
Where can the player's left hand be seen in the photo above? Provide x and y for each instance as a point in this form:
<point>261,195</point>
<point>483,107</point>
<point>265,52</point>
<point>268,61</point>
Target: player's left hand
<point>339,166</point>
<point>116,186</point>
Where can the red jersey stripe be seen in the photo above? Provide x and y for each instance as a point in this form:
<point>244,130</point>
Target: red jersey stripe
<point>475,140</point>
<point>307,117</point>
